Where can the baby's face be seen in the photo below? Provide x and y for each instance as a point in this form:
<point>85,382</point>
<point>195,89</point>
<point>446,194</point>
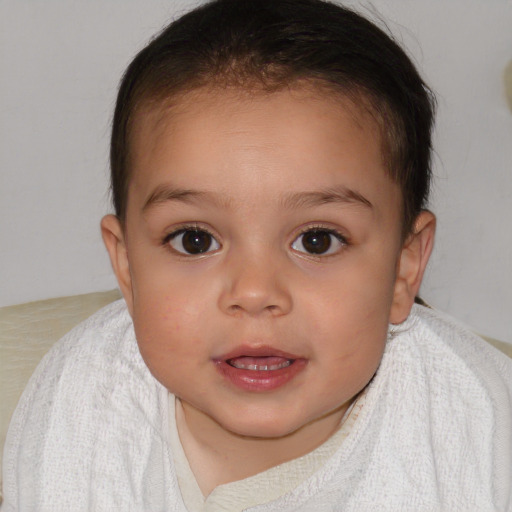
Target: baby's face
<point>262,235</point>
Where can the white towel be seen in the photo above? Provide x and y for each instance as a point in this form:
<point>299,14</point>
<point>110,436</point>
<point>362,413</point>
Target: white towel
<point>91,431</point>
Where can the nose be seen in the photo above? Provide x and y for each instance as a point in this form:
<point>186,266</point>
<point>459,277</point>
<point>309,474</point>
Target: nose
<point>254,287</point>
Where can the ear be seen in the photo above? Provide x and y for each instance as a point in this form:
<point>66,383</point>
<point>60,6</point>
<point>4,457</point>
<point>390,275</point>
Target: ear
<point>411,265</point>
<point>114,240</point>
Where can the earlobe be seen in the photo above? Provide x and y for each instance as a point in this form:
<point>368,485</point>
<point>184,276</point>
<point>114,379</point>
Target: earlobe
<point>114,240</point>
<point>411,266</point>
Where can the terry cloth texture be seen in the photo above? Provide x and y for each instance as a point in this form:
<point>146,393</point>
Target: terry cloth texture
<point>91,431</point>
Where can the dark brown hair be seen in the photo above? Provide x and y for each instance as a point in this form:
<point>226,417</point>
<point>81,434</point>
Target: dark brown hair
<point>271,44</point>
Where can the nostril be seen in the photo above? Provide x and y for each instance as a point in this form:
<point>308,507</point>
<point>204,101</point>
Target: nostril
<point>272,309</point>
<point>254,292</point>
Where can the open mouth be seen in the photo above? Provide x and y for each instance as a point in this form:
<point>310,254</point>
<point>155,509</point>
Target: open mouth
<point>261,369</point>
<point>265,363</point>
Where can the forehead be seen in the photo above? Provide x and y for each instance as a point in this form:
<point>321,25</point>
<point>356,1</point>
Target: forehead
<point>181,109</point>
<point>228,139</point>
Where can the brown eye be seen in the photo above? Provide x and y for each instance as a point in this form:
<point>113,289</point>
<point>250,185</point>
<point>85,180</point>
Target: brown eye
<point>318,242</point>
<point>193,241</point>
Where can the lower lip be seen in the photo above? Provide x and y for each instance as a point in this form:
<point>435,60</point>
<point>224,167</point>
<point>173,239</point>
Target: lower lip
<point>260,380</point>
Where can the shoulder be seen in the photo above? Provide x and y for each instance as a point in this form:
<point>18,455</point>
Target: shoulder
<point>85,359</point>
<point>452,365</point>
<point>107,330</point>
<point>89,354</point>
<point>90,364</point>
<point>456,390</point>
<point>448,345</point>
<point>90,404</point>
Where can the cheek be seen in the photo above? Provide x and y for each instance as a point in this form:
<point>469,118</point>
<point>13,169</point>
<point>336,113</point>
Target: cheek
<point>171,304</point>
<point>167,320</point>
<point>356,294</point>
<point>352,347</point>
<point>166,297</point>
<point>167,339</point>
<point>162,320</point>
<point>348,315</point>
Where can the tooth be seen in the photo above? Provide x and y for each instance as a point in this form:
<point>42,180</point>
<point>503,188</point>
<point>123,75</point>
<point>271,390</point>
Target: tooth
<point>255,367</point>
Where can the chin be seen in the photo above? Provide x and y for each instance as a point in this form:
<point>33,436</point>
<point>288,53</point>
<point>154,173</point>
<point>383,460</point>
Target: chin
<point>260,426</point>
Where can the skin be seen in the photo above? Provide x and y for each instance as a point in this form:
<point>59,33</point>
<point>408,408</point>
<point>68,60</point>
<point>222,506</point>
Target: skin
<point>238,166</point>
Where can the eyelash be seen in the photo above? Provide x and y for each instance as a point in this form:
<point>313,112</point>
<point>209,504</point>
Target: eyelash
<point>193,228</point>
<point>343,241</point>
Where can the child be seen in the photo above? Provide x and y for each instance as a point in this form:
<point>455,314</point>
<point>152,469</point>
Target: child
<point>270,173</point>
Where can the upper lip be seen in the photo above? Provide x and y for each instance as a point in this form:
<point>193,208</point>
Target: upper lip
<point>256,351</point>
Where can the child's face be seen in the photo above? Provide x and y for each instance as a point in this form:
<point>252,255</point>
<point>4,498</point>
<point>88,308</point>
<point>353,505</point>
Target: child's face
<point>261,232</point>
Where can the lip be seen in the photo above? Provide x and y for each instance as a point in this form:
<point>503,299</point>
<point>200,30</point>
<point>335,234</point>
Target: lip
<point>278,367</point>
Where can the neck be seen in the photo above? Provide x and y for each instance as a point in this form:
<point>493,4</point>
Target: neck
<point>218,456</point>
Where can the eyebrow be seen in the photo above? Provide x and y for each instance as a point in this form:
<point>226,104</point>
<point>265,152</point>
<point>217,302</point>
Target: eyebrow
<point>340,195</point>
<point>165,193</point>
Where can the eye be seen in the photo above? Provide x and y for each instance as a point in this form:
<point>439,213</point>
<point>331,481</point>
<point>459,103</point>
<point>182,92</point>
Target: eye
<point>192,241</point>
<point>319,242</point>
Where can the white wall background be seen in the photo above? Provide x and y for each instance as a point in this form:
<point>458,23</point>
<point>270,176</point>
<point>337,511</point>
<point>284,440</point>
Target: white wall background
<point>61,60</point>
